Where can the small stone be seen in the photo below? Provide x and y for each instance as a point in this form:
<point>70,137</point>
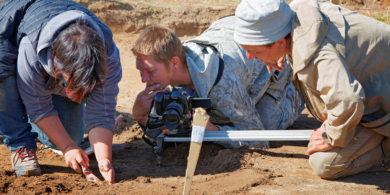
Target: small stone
<point>147,180</point>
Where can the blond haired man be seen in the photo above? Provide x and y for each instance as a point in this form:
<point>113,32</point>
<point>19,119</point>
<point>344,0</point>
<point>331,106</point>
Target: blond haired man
<point>341,68</point>
<point>245,95</point>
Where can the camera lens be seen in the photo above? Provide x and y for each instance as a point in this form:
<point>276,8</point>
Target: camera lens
<point>171,117</point>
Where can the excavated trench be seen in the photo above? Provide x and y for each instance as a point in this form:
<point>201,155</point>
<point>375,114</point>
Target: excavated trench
<point>187,20</point>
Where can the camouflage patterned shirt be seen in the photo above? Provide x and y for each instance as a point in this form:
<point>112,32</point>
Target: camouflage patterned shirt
<point>247,97</point>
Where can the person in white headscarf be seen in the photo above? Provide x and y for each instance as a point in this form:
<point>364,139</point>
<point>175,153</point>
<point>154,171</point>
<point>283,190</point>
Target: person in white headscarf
<point>341,68</point>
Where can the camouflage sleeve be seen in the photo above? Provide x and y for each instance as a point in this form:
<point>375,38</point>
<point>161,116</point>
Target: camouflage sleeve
<point>232,101</point>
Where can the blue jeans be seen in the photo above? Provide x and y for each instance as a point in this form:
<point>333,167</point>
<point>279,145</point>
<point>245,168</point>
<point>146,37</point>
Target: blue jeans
<point>14,124</point>
<point>71,115</point>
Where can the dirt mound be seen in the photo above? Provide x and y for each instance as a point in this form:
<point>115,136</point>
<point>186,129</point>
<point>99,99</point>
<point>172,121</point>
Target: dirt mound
<point>184,18</point>
<point>135,16</point>
<point>373,4</point>
<point>187,18</point>
<point>43,185</point>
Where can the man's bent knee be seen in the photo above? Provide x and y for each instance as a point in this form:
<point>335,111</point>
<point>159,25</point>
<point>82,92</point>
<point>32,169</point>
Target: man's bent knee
<point>320,161</point>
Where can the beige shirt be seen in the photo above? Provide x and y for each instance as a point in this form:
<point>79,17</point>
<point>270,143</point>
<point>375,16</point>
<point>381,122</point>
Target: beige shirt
<point>341,63</point>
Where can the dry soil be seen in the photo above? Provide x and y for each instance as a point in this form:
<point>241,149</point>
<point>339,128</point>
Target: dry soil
<point>281,169</point>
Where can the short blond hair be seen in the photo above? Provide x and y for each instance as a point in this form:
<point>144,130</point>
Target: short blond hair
<point>160,43</point>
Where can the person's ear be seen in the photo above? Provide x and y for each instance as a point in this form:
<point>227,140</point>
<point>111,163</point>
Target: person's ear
<point>282,43</point>
<point>175,61</point>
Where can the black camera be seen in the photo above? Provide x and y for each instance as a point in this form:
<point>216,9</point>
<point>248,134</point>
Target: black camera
<point>173,108</point>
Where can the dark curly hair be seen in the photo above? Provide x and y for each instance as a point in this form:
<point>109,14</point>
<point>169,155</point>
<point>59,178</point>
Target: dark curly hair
<point>78,51</point>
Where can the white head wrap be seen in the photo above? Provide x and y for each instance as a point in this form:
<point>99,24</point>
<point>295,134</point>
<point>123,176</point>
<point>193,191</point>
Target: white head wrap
<point>261,22</point>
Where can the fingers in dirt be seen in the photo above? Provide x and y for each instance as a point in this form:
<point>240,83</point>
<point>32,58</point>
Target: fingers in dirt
<point>111,173</point>
<point>108,173</point>
<point>75,166</point>
<point>110,176</point>
<point>82,159</point>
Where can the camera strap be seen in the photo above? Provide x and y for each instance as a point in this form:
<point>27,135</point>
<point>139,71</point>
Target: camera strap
<point>221,67</point>
<point>148,140</point>
<point>147,125</point>
<point>220,70</point>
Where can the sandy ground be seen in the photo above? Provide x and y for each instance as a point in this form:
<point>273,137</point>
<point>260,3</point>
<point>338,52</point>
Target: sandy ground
<point>281,169</point>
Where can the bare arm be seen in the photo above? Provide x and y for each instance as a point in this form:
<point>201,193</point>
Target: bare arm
<point>101,142</point>
<point>53,128</point>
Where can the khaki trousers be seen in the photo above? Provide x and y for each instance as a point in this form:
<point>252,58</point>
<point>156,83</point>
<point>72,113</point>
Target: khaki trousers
<point>361,153</point>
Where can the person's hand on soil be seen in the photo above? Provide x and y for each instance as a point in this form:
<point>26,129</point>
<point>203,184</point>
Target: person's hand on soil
<point>278,66</point>
<point>142,103</point>
<point>74,156</point>
<point>316,143</point>
<point>107,170</point>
